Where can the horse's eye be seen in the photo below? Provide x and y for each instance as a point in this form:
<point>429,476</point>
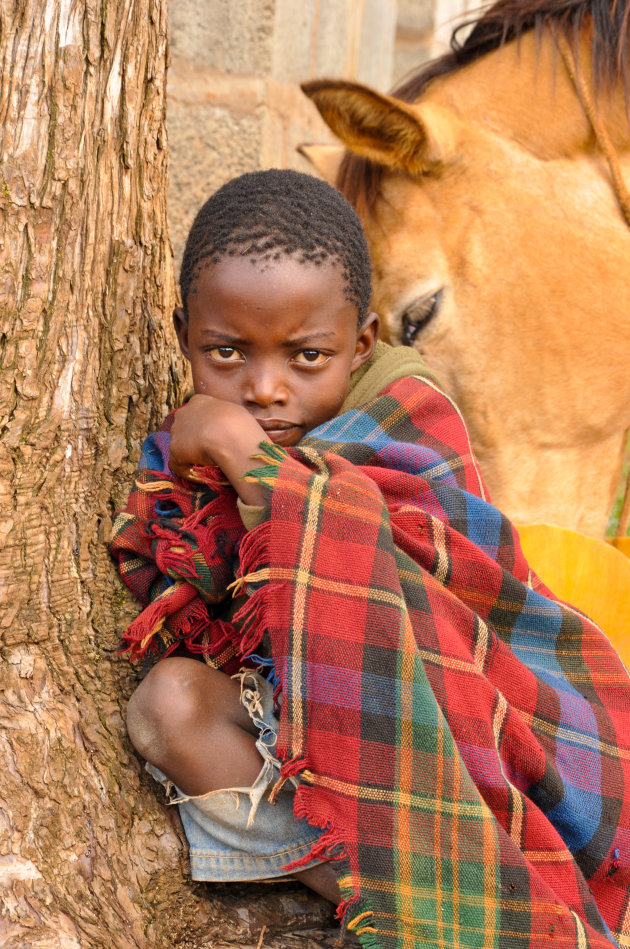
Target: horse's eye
<point>417,316</point>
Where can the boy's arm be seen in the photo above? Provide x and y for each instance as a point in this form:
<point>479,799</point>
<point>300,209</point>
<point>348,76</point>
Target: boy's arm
<point>209,431</point>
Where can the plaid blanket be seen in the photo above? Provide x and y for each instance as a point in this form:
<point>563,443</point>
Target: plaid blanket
<point>463,738</point>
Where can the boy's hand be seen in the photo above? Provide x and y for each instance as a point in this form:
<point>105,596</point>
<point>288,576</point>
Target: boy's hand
<point>209,431</point>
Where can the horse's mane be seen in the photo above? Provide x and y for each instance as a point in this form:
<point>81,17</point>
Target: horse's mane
<point>359,179</point>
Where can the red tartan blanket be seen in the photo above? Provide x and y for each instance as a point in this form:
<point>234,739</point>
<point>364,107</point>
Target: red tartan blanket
<point>463,737</point>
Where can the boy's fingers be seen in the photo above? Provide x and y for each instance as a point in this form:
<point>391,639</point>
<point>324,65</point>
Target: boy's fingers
<point>186,472</point>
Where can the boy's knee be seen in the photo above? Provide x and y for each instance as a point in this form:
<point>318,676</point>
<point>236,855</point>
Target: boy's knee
<point>166,705</point>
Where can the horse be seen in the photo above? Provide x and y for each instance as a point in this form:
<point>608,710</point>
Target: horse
<point>491,189</point>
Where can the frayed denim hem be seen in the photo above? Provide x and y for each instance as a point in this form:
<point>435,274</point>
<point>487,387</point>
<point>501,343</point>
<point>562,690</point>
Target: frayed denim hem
<point>236,834</point>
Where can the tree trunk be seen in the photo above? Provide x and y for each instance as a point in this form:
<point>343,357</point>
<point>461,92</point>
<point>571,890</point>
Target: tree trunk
<point>87,368</point>
<point>88,365</point>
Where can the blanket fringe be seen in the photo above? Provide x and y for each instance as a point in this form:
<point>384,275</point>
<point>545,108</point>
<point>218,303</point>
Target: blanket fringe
<point>271,457</point>
<point>153,487</point>
<point>249,619</point>
<point>289,769</point>
<point>173,551</point>
<point>257,576</point>
<point>253,569</point>
<point>345,905</point>
<point>213,509</point>
<point>321,849</point>
<point>293,766</point>
<point>173,554</point>
<point>331,839</point>
<point>368,937</point>
<point>224,636</point>
<point>140,633</point>
<point>211,476</point>
<point>331,845</point>
<point>253,552</point>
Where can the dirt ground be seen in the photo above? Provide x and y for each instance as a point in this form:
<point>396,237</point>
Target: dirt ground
<point>282,915</point>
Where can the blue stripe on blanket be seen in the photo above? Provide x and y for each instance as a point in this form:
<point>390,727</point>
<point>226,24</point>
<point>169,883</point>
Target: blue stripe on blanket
<point>578,815</point>
<point>154,454</point>
<point>358,427</point>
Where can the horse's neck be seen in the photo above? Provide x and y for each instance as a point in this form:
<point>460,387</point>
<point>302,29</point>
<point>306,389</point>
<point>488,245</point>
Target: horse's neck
<point>524,91</point>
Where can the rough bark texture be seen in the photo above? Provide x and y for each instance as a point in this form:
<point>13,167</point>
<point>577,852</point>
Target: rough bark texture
<point>86,282</point>
<point>86,285</point>
<point>88,856</point>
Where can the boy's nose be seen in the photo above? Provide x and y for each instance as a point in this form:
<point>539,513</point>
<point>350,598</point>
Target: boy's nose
<point>264,388</point>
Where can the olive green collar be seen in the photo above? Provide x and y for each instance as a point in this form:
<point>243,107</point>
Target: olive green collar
<point>384,366</point>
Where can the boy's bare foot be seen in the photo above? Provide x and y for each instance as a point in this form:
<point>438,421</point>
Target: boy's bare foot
<point>322,879</point>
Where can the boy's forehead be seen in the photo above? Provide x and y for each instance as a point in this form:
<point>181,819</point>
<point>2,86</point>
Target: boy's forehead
<point>267,275</point>
<point>280,289</point>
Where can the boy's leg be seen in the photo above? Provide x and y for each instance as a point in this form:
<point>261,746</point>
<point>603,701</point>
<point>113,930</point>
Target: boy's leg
<point>187,719</point>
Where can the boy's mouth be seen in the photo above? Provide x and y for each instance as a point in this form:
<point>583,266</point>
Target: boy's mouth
<point>280,431</point>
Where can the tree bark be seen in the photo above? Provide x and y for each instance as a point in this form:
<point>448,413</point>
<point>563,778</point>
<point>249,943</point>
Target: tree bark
<point>88,365</point>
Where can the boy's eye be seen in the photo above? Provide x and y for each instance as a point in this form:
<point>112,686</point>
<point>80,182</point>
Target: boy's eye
<point>225,354</point>
<point>311,357</point>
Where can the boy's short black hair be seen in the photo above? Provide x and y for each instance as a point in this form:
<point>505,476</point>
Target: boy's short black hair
<point>270,214</point>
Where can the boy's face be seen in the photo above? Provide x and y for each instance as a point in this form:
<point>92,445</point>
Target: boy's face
<point>278,338</point>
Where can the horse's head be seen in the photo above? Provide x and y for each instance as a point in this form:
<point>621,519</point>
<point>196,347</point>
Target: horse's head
<point>406,147</point>
<point>499,251</point>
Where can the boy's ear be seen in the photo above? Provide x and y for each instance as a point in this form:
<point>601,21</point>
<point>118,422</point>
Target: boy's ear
<point>181,328</point>
<point>366,340</point>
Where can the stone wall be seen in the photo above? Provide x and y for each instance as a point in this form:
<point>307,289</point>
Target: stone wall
<point>423,31</point>
<point>234,102</point>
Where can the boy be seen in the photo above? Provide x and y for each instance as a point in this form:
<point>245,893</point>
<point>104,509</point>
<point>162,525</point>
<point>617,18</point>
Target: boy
<point>275,289</point>
<point>458,740</point>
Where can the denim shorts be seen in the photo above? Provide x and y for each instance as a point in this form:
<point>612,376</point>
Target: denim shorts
<point>236,833</point>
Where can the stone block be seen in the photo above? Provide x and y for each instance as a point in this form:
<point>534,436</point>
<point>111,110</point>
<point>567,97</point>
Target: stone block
<point>333,53</point>
<point>414,37</point>
<point>410,56</point>
<point>334,38</point>
<point>231,36</point>
<point>209,145</point>
<point>376,38</point>
<point>415,16</point>
<point>448,15</point>
<point>294,41</point>
<point>290,120</point>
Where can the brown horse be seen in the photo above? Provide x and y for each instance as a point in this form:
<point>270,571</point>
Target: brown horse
<point>491,187</point>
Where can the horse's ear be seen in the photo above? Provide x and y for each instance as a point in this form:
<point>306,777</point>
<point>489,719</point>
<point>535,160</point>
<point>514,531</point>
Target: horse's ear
<point>384,129</point>
<point>325,159</point>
